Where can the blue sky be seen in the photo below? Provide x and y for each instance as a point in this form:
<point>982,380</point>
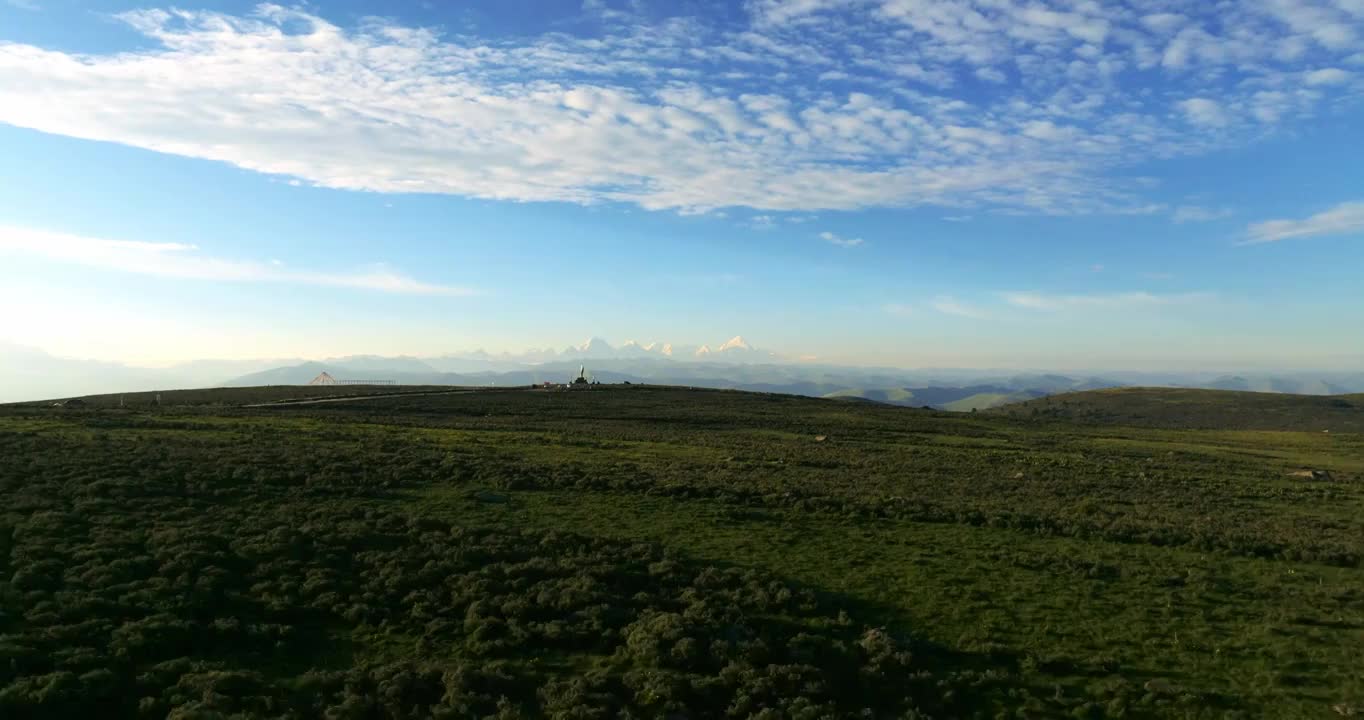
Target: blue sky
<point>990,183</point>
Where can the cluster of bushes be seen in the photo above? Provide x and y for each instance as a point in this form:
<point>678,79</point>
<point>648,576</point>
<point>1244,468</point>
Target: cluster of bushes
<point>368,613</point>
<point>212,577</point>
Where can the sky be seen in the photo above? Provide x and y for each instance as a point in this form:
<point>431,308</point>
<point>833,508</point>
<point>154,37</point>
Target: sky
<point>1146,184</point>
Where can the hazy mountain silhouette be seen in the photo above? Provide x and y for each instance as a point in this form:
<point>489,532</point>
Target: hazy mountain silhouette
<point>30,374</point>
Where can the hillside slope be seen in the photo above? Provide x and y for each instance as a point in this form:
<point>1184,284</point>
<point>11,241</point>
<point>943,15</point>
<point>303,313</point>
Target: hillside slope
<point>641,551</point>
<point>229,397</point>
<point>1179,408</point>
<point>958,399</point>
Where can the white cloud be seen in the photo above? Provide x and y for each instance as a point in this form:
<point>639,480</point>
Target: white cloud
<point>1110,301</point>
<point>1202,111</point>
<point>1327,76</point>
<point>182,261</point>
<point>24,4</point>
<point>1048,131</point>
<point>1343,219</point>
<point>899,309</point>
<point>1164,23</point>
<point>991,75</point>
<point>1194,213</point>
<point>663,114</point>
<point>948,305</point>
<point>833,239</point>
<point>782,11</point>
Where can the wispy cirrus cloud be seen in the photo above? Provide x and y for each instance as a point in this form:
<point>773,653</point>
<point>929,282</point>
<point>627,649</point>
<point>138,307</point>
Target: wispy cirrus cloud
<point>1111,301</point>
<point>1344,219</point>
<point>898,309</point>
<point>835,239</point>
<point>663,114</point>
<point>1195,213</point>
<point>179,260</point>
<point>949,305</point>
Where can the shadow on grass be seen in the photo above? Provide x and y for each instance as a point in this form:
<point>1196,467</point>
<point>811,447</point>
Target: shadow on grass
<point>999,677</point>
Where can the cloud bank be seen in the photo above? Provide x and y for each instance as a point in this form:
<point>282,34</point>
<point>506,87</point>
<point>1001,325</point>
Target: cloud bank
<point>808,105</point>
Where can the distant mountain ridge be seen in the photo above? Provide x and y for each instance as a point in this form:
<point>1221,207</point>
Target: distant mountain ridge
<point>29,374</point>
<point>835,383</point>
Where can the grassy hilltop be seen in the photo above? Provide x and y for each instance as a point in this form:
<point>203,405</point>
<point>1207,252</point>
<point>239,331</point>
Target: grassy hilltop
<point>238,397</point>
<point>661,552</point>
<point>1195,409</point>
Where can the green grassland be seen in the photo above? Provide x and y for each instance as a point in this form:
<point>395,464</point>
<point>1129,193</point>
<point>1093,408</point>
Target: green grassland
<point>233,397</point>
<point>943,398</point>
<point>655,552</point>
<point>899,396</point>
<point>1197,409</point>
<point>979,401</point>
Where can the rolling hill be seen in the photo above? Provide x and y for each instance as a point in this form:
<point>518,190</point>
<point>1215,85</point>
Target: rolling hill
<point>639,551</point>
<point>1197,409</point>
<point>957,399</point>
